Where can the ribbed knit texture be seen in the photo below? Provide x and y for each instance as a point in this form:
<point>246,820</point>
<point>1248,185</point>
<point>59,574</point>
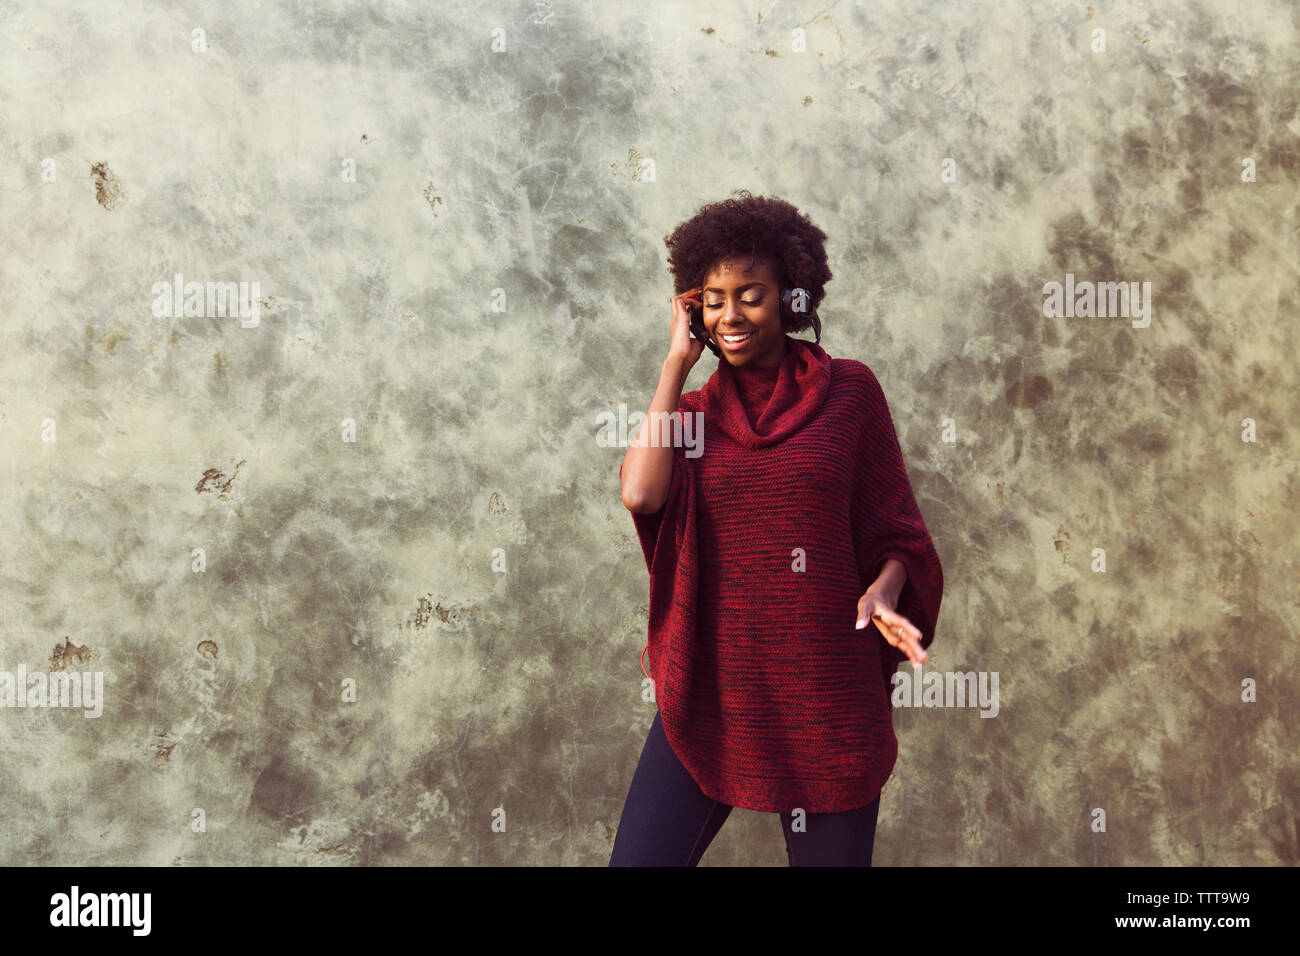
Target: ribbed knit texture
<point>754,386</point>
<point>769,696</point>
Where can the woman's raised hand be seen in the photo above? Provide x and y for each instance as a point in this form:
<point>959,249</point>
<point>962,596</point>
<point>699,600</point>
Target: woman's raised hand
<point>682,346</point>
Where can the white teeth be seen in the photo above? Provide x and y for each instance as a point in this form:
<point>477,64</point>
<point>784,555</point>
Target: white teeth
<point>737,338</point>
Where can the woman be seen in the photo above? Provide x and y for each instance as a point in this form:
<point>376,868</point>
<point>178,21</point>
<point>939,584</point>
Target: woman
<point>771,550</point>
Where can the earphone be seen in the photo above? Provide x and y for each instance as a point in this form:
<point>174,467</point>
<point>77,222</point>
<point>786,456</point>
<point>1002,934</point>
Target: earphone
<point>790,316</point>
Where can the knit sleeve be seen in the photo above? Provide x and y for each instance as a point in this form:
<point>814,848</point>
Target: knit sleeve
<point>887,523</point>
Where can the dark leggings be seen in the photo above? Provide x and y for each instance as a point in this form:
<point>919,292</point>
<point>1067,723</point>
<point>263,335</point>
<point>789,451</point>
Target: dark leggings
<point>668,821</point>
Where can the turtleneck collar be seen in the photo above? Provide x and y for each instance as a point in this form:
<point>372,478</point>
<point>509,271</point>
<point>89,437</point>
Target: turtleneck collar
<point>799,385</point>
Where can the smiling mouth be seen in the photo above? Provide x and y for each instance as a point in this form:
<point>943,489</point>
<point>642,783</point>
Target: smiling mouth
<point>736,339</point>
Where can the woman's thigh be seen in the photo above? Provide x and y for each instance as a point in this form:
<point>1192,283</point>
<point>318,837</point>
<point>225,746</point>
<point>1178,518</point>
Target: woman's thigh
<point>832,839</point>
<point>667,820</point>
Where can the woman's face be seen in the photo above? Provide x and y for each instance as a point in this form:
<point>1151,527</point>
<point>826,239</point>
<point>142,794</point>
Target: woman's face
<point>742,298</point>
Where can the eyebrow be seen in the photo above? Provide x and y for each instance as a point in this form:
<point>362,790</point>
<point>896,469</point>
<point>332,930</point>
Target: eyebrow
<point>747,285</point>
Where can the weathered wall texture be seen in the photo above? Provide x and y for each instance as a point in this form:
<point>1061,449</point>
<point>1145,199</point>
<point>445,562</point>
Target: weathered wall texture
<point>187,510</point>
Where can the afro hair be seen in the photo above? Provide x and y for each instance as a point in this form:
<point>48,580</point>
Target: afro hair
<point>758,226</point>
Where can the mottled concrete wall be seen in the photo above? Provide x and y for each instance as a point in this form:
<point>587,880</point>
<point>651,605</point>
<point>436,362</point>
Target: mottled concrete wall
<point>187,512</point>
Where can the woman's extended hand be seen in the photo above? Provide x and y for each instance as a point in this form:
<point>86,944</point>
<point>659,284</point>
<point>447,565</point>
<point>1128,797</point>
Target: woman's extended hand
<point>896,629</point>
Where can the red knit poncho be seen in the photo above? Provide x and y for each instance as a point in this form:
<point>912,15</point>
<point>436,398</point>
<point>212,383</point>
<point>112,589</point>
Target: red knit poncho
<point>769,695</point>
